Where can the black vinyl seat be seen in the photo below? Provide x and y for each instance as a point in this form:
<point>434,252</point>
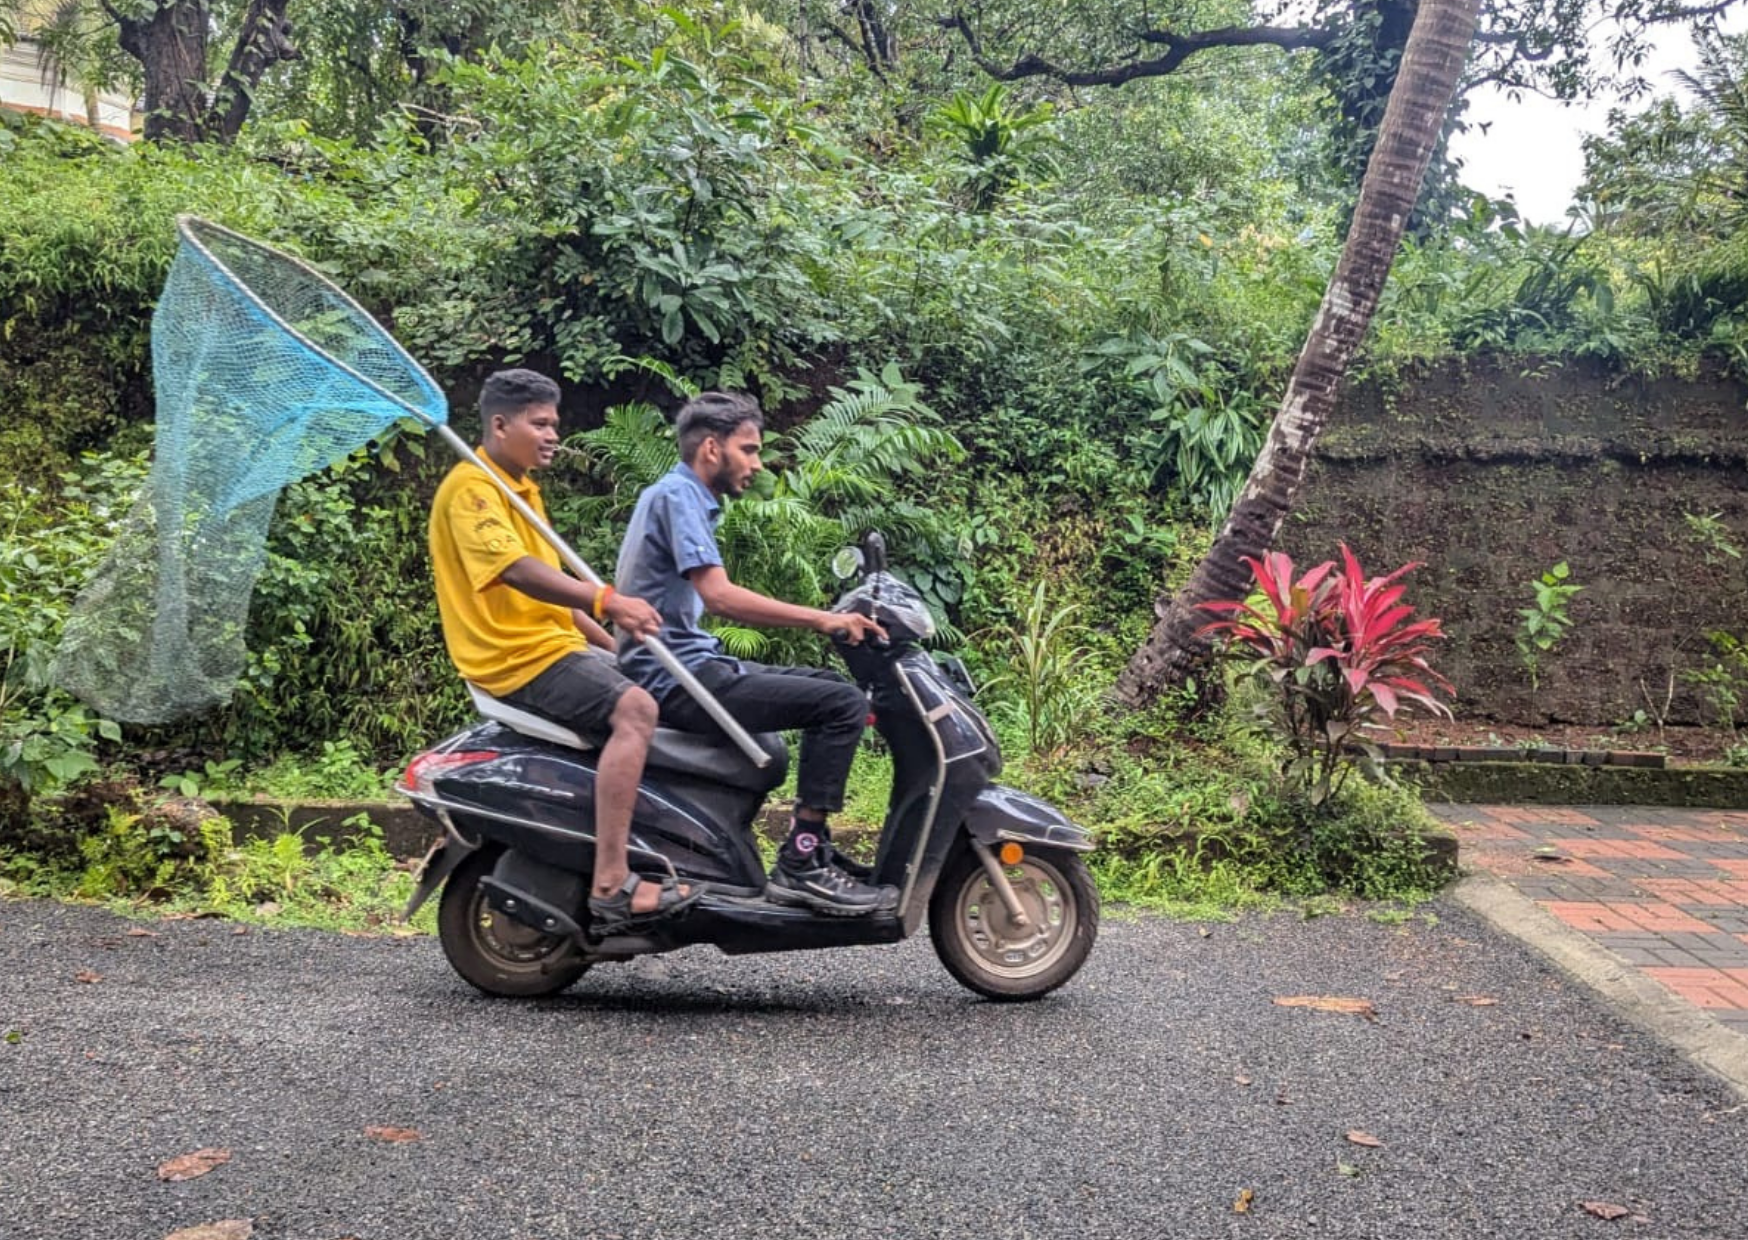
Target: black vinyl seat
<point>685,753</point>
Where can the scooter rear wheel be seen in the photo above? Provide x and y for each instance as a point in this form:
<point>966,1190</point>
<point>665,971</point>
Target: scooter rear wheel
<point>496,953</point>
<point>986,951</point>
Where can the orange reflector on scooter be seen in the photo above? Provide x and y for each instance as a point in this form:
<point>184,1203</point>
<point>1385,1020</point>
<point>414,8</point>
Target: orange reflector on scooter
<point>1012,853</point>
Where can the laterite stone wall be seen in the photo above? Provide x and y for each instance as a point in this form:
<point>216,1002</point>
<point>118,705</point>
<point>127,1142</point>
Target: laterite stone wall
<point>1491,472</point>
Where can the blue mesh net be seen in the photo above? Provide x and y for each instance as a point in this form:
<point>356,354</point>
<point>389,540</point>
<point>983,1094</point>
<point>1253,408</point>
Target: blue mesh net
<point>265,372</point>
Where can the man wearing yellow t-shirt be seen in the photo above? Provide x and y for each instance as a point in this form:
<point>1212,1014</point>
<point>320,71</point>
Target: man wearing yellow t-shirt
<point>519,627</point>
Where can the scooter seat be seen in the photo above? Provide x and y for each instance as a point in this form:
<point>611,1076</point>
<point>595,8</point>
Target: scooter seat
<point>687,753</point>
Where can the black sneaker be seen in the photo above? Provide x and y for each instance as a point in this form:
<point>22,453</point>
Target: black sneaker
<point>825,889</point>
<point>838,859</point>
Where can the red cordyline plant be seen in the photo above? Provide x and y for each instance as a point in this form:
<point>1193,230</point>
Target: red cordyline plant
<point>1343,650</point>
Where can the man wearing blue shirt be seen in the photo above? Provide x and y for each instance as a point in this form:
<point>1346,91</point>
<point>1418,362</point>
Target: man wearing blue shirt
<point>670,558</point>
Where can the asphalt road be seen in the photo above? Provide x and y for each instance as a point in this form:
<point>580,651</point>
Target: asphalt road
<point>853,1093</point>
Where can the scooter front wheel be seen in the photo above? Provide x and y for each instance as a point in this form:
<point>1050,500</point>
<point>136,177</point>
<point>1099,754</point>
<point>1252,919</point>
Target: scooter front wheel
<point>990,951</point>
<point>496,953</point>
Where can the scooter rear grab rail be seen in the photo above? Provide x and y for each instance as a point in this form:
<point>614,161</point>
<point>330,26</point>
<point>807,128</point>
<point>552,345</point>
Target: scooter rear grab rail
<point>715,709</point>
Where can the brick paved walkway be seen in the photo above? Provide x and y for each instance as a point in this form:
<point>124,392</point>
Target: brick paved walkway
<point>1665,890</point>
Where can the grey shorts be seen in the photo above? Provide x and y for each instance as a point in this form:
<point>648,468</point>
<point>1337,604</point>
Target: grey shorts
<point>580,691</point>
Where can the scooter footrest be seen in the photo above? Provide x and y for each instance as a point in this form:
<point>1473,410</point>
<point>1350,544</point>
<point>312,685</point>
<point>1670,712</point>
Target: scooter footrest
<point>529,910</point>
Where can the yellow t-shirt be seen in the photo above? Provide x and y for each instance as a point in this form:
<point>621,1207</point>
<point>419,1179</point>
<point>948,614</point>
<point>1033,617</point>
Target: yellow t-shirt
<point>498,637</point>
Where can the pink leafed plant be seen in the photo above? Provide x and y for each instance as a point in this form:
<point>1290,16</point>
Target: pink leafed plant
<point>1343,651</point>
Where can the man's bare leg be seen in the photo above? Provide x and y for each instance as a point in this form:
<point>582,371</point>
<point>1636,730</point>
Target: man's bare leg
<point>616,778</point>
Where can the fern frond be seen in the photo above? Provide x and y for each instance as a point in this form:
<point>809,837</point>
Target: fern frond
<point>742,643</point>
<point>633,447</point>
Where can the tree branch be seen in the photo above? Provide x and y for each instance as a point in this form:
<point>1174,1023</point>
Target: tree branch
<point>1695,12</point>
<point>128,32</point>
<point>263,41</point>
<point>1179,48</point>
<point>828,26</point>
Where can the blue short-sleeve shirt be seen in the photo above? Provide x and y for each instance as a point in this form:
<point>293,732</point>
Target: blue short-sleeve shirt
<point>672,533</point>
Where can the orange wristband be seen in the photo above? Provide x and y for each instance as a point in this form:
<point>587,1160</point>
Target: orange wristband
<point>601,597</point>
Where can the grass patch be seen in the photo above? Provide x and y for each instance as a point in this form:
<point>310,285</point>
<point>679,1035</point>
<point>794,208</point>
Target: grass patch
<point>1194,822</point>
<point>175,859</point>
<point>1191,818</point>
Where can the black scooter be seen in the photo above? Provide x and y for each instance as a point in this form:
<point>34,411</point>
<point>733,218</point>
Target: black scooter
<point>1011,908</point>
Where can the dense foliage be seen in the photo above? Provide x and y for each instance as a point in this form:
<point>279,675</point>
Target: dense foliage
<point>1035,334</point>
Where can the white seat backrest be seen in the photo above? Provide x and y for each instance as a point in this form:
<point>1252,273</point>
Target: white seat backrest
<point>525,722</point>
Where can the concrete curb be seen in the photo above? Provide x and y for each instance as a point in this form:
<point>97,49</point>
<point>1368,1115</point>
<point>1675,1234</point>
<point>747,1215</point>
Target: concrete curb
<point>405,831</point>
<point>408,833</point>
<point>1548,783</point>
<point>1706,1043</point>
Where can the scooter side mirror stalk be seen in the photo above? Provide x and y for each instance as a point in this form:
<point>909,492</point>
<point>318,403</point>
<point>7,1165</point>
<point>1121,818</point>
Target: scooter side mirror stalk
<point>874,551</point>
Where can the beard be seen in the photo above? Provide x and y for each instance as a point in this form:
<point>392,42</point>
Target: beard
<point>723,483</point>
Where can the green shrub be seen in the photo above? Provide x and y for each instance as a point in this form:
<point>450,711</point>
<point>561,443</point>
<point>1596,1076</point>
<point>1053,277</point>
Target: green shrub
<point>48,545</point>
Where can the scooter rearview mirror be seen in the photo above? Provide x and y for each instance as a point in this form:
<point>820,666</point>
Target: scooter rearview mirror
<point>846,563</point>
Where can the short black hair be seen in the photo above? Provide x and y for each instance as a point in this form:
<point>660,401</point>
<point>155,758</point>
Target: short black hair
<point>511,391</point>
<point>714,414</point>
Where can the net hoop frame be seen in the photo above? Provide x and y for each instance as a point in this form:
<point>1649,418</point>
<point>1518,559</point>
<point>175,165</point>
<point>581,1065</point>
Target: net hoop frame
<point>186,226</point>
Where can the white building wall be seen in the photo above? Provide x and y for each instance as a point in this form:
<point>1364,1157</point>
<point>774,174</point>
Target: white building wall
<point>22,89</point>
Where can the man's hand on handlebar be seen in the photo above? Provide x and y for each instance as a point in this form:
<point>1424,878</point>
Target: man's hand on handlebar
<point>850,628</point>
<point>633,615</point>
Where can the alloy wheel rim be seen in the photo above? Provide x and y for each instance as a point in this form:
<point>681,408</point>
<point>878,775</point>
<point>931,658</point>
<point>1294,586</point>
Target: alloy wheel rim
<point>507,940</point>
<point>999,945</point>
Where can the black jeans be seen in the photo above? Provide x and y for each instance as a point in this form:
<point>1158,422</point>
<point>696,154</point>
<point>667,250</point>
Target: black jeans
<point>830,711</point>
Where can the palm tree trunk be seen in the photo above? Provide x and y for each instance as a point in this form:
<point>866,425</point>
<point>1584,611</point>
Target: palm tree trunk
<point>1431,65</point>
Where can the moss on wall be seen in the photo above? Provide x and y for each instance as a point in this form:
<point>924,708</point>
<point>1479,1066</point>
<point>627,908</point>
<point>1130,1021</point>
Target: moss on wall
<point>1491,474</point>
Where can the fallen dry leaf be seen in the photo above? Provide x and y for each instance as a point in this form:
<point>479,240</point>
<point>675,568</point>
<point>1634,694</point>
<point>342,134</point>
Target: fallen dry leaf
<point>383,1132</point>
<point>137,933</point>
<point>1330,1003</point>
<point>193,1166</point>
<point>87,976</point>
<point>224,1229</point>
<point>241,930</point>
<point>1477,1000</point>
<point>1361,1137</point>
<point>1605,1210</point>
<point>1242,1080</point>
<point>1242,1205</point>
